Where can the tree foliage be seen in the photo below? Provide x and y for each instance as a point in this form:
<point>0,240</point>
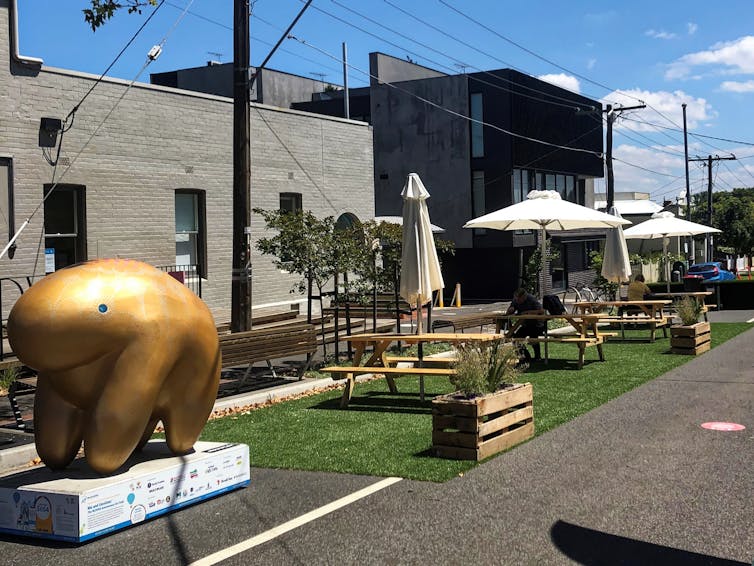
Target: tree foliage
<point>103,10</point>
<point>311,247</point>
<point>733,213</point>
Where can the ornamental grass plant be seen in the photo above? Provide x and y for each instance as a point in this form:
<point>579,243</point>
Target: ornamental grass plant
<point>689,310</point>
<point>485,368</point>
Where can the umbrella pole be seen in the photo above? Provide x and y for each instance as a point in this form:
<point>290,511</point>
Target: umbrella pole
<point>665,241</point>
<point>543,267</point>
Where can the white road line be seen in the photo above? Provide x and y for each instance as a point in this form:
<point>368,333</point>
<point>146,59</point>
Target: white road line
<point>750,320</point>
<point>293,523</point>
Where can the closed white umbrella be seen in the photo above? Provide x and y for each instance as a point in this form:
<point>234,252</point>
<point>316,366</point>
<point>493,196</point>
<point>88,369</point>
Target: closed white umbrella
<point>664,225</point>
<point>545,210</point>
<point>615,264</point>
<point>420,268</point>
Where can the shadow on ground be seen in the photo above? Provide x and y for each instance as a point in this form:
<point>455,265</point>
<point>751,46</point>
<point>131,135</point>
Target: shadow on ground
<point>593,548</point>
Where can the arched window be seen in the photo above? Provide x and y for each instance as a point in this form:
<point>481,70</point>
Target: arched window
<point>346,220</point>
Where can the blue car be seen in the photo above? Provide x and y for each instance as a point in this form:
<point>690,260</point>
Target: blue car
<point>710,271</point>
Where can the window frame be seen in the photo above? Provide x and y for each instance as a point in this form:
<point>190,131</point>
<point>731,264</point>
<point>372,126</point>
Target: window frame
<point>296,198</point>
<point>200,211</point>
<point>7,162</point>
<point>476,132</point>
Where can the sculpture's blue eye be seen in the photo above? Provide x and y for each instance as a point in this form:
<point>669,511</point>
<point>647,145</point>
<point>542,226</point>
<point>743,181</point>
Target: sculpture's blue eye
<point>102,308</point>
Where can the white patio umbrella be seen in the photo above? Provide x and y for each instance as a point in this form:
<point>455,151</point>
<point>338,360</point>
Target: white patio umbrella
<point>420,268</point>
<point>615,264</point>
<point>399,221</point>
<point>664,225</point>
<point>545,210</point>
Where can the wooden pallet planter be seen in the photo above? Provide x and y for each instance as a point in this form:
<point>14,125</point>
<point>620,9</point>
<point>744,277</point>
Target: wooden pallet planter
<point>474,429</point>
<point>690,340</point>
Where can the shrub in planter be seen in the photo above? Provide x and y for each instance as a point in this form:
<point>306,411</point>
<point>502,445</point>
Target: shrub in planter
<point>489,412</point>
<point>691,337</point>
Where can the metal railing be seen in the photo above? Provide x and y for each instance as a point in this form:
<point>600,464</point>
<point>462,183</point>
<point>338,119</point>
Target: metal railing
<point>187,274</point>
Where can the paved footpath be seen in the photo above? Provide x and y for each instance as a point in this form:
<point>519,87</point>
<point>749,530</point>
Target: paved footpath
<point>635,481</point>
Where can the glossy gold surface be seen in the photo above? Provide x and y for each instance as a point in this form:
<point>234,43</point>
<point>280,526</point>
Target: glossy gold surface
<point>118,345</point>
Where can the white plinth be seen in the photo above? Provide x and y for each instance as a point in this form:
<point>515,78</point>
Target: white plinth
<point>77,504</point>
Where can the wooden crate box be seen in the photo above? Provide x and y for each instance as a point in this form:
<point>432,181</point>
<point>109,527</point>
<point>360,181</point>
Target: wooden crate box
<point>474,429</point>
<point>690,340</point>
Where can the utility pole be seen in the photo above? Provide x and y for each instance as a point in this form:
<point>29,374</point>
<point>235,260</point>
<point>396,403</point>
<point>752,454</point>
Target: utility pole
<point>612,116</point>
<point>690,251</point>
<point>708,248</point>
<point>240,315</point>
<point>346,108</point>
<point>240,299</point>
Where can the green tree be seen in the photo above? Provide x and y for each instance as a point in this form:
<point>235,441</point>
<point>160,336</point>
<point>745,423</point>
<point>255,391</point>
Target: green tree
<point>103,10</point>
<point>733,213</point>
<point>534,265</point>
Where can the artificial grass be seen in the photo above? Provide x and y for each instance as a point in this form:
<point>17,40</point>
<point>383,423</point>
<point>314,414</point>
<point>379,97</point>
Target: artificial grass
<point>386,434</point>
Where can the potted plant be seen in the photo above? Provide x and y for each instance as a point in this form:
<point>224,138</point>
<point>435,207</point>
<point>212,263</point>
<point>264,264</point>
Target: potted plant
<point>489,412</point>
<point>691,337</point>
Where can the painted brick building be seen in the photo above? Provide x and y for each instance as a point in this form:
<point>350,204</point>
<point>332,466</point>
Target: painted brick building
<point>155,182</point>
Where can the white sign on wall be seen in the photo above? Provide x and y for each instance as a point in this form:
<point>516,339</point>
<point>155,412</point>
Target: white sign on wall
<point>49,260</point>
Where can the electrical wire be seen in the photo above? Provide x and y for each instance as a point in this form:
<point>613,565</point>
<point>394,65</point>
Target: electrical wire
<point>149,60</point>
<point>575,105</point>
<point>658,126</point>
<point>448,110</point>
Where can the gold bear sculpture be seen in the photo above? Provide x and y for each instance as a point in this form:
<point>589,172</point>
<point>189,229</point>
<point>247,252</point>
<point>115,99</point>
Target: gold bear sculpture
<point>118,346</point>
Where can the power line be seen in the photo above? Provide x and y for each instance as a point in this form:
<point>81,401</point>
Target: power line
<point>695,135</point>
<point>553,63</point>
<point>448,110</point>
<point>255,39</point>
<point>647,169</point>
<point>432,61</point>
<point>465,44</point>
<point>153,54</point>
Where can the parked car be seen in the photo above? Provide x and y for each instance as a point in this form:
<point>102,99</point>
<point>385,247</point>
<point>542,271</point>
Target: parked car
<point>709,271</point>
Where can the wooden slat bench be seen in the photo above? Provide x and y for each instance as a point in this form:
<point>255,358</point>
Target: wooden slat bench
<point>463,321</point>
<point>582,343</point>
<point>652,323</point>
<point>267,344</point>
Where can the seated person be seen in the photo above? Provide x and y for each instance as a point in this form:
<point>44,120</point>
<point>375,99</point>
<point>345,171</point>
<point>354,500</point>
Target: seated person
<point>637,291</point>
<point>525,302</point>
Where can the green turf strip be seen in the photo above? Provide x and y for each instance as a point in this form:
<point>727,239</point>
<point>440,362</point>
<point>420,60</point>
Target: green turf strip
<point>384,434</point>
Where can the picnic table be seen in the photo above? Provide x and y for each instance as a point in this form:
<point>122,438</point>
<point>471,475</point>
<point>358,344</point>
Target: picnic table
<point>380,362</point>
<point>585,331</point>
<point>642,313</point>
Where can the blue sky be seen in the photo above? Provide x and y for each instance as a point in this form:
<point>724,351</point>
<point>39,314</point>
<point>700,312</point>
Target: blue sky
<point>662,53</point>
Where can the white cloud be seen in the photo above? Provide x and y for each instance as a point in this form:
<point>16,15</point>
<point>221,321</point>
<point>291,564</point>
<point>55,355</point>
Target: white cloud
<point>567,82</point>
<point>735,86</point>
<point>731,56</point>
<point>630,178</point>
<point>691,28</point>
<point>668,103</point>
<point>660,34</point>
<point>591,63</point>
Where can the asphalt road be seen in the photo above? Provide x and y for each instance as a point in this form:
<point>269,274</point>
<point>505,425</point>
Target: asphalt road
<point>635,481</point>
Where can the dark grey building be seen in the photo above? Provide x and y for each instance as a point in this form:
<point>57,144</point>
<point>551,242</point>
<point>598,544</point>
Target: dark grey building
<point>420,126</point>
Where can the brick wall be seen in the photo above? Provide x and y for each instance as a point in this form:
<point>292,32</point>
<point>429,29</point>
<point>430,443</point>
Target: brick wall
<point>156,141</point>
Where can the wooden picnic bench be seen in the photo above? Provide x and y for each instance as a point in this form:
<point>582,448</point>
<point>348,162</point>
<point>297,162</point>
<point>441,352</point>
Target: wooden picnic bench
<point>380,363</point>
<point>267,344</point>
<point>585,332</point>
<point>647,314</point>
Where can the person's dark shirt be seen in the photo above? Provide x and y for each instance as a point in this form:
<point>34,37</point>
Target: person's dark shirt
<point>530,303</point>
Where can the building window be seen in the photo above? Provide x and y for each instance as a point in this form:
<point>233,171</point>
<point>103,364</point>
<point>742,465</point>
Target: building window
<point>190,230</point>
<point>65,225</point>
<point>7,217</point>
<point>570,189</point>
<point>520,185</point>
<point>477,197</point>
<point>291,202</point>
<point>477,129</point>
<point>346,221</point>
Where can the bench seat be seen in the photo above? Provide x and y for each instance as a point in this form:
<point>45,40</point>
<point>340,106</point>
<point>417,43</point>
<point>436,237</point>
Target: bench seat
<point>581,341</point>
<point>267,344</point>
